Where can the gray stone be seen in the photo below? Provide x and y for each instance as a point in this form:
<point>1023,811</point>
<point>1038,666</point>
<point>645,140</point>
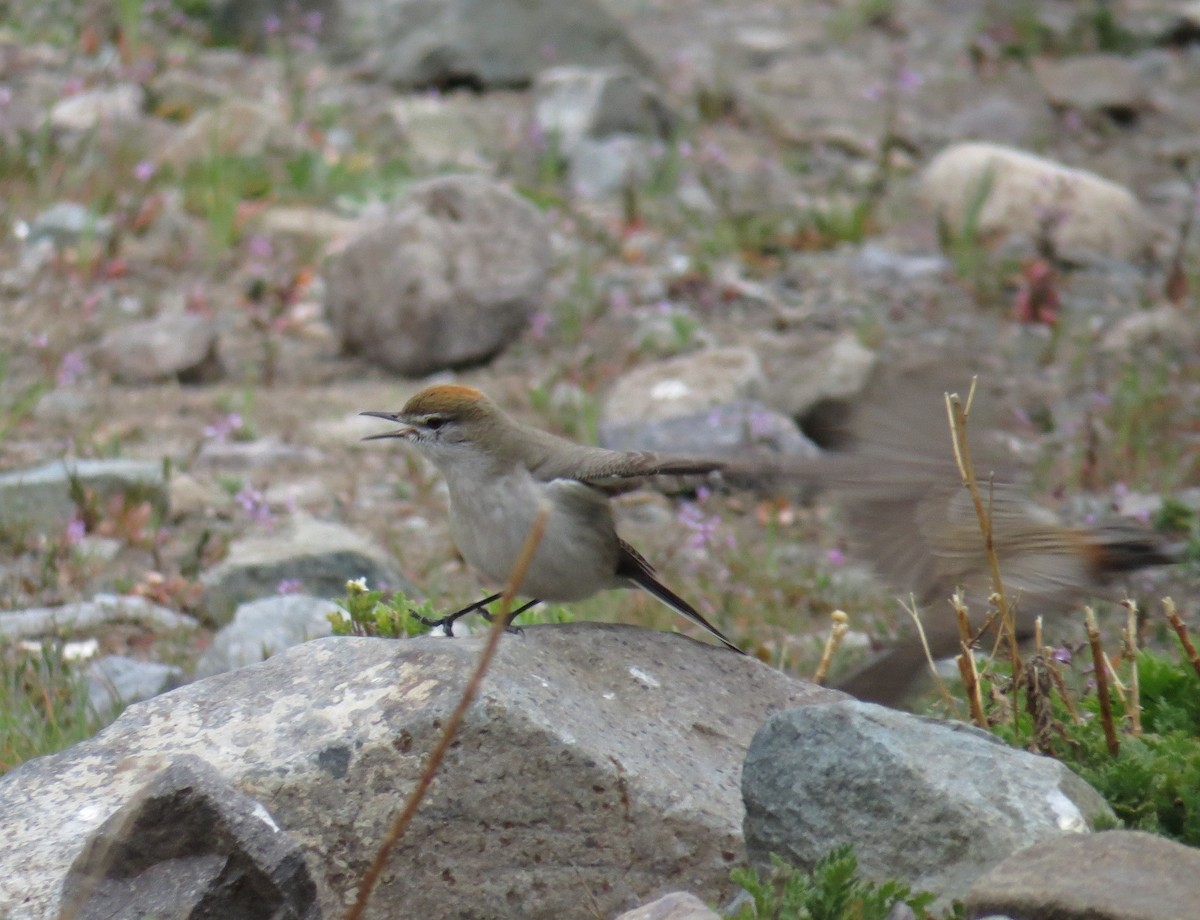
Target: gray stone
<point>262,628</point>
<point>115,680</point>
<point>1093,217</point>
<point>607,755</point>
<point>678,905</point>
<point>723,431</point>
<point>179,347</point>
<point>86,615</point>
<point>66,223</point>
<point>1091,83</point>
<point>933,803</point>
<point>190,845</point>
<point>321,555</point>
<point>572,104</point>
<point>269,452</point>
<point>446,280</point>
<point>802,371</point>
<point>114,107</point>
<point>235,127</point>
<point>599,168</point>
<point>684,386</point>
<point>1145,877</point>
<point>495,43</point>
<point>40,498</point>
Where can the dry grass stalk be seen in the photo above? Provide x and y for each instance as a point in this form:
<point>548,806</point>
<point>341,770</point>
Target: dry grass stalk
<point>911,609</point>
<point>1181,631</point>
<point>958,415</point>
<point>837,632</point>
<point>1134,706</point>
<point>1101,672</point>
<point>499,624</point>
<point>966,662</point>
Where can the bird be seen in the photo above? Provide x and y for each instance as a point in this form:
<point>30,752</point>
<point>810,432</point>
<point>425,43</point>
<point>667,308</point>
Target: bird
<point>499,473</point>
<point>908,514</point>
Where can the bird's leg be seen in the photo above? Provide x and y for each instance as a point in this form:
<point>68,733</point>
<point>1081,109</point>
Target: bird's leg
<point>508,620</point>
<point>447,622</point>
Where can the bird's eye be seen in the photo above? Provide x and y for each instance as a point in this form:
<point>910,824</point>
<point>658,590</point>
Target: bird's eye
<point>434,423</point>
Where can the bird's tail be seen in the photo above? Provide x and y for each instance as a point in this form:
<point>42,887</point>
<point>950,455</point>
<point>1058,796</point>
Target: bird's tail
<point>634,567</point>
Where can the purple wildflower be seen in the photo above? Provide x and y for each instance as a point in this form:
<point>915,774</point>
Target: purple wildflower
<point>71,368</point>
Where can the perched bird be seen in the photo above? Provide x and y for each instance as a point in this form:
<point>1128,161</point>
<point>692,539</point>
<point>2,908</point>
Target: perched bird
<point>500,473</point>
<point>908,514</point>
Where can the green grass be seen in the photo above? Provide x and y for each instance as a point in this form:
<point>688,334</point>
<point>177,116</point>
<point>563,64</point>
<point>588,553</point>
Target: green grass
<point>43,704</point>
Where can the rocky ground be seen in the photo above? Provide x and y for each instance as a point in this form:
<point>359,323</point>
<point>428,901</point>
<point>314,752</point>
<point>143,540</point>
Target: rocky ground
<point>674,225</point>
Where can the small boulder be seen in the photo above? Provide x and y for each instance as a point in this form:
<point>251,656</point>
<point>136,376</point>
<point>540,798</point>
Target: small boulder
<point>445,281</point>
<point>264,627</point>
<point>179,347</point>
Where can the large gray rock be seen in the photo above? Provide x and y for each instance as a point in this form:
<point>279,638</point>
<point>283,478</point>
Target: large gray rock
<point>599,758</point>
<point>263,628</point>
<point>575,103</point>
<point>933,803</point>
<point>803,371</point>
<point>1105,83</point>
<point>678,905</point>
<point>684,386</point>
<point>723,431</point>
<point>1145,877</point>
<point>321,555</point>
<point>40,498</point>
<point>487,43</point>
<point>446,280</point>
<point>179,347</point>
<point>116,680</point>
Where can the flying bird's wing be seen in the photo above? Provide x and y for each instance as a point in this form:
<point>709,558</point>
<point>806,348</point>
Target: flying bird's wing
<point>608,470</point>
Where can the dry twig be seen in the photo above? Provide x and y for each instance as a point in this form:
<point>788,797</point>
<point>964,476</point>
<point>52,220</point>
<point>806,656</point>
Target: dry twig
<point>1134,706</point>
<point>966,661</point>
<point>841,625</point>
<point>1101,671</point>
<point>1181,631</point>
<point>499,624</point>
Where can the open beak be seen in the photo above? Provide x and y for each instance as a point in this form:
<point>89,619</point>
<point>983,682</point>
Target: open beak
<point>391,417</point>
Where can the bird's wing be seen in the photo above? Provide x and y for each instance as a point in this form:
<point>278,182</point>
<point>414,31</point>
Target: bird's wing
<point>607,470</point>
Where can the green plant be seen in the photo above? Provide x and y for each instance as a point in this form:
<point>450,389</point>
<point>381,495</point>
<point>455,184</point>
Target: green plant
<point>214,188</point>
<point>16,403</point>
<point>43,703</point>
<point>388,615</point>
<point>832,891</point>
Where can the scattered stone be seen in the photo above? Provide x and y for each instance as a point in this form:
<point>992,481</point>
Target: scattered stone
<point>189,844</point>
<point>95,548</point>
<point>1092,83</point>
<point>320,555</point>
<point>233,128</point>
<point>573,104</point>
<point>873,259</point>
<point>554,758</point>
<point>88,615</point>
<point>1145,877</point>
<point>269,452</point>
<point>447,280</point>
<point>65,404</point>
<point>67,224</point>
<point>803,371</point>
<point>723,431</point>
<point>501,43</point>
<point>1137,330</point>
<point>111,107</point>
<point>998,119</point>
<point>191,497</point>
<point>179,347</point>
<point>600,168</point>
<point>115,680</point>
<point>40,498</point>
<point>677,905</point>
<point>684,386</point>
<point>1092,217</point>
<point>307,224</point>
<point>262,628</point>
<point>446,130</point>
<point>933,803</point>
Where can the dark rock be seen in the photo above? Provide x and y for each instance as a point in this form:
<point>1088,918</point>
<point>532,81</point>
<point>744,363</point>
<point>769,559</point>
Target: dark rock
<point>190,846</point>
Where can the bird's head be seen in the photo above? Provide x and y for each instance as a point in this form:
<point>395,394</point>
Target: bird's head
<point>445,420</point>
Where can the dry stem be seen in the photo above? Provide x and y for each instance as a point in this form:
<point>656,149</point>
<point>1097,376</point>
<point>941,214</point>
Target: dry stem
<point>966,662</point>
<point>1134,706</point>
<point>836,633</point>
<point>1101,672</point>
<point>499,624</point>
<point>1182,632</point>
<point>958,415</point>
